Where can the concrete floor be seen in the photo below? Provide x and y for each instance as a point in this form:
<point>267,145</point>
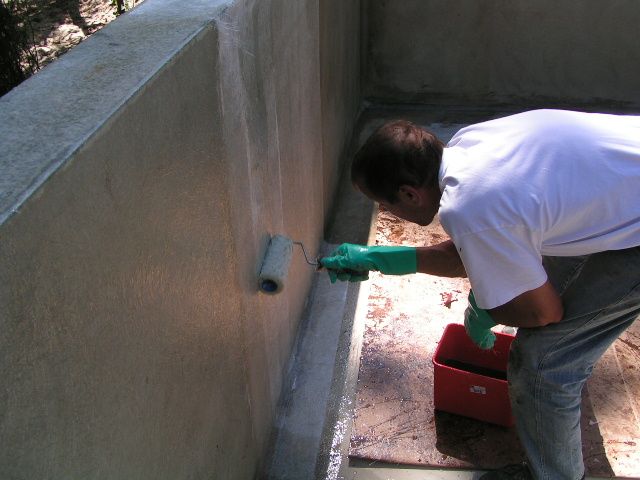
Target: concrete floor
<point>314,422</point>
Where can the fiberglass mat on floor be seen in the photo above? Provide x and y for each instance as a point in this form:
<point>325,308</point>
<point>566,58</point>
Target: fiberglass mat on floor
<point>394,420</point>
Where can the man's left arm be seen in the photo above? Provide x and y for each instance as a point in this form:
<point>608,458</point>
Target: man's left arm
<point>533,308</point>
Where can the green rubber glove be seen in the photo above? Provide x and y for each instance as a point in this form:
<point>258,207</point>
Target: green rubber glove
<point>478,323</point>
<point>353,262</point>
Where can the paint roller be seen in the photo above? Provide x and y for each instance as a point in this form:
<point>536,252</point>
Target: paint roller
<point>276,264</point>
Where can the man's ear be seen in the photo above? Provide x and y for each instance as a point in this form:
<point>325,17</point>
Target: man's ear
<point>409,194</point>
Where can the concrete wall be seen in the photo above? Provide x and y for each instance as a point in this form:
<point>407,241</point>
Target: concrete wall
<point>141,176</point>
<point>543,51</point>
<point>340,93</point>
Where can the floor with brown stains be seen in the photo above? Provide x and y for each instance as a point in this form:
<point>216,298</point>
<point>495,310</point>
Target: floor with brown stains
<point>394,419</point>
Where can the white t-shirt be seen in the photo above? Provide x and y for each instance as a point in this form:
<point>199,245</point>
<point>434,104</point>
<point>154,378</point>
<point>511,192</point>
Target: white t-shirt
<point>545,182</point>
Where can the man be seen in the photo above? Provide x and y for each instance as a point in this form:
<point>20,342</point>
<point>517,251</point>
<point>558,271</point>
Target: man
<point>543,211</point>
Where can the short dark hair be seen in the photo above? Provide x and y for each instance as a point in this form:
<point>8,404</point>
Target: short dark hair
<point>398,153</point>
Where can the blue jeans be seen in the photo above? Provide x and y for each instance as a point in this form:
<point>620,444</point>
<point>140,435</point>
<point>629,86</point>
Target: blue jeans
<point>548,366</point>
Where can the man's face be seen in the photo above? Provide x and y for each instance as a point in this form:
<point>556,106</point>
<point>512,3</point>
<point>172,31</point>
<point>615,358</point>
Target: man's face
<point>415,204</point>
<point>408,212</point>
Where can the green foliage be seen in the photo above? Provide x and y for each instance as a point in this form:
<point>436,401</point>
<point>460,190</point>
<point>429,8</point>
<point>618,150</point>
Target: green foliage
<point>17,59</point>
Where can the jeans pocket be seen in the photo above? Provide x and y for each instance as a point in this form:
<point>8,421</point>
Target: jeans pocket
<point>562,271</point>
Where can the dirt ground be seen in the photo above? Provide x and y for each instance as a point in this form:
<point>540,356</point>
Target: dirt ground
<point>391,230</point>
<point>59,25</point>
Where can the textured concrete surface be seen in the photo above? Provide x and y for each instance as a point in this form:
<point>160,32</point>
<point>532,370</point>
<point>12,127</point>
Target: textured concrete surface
<point>52,114</point>
<point>542,52</point>
<point>301,415</point>
<point>339,52</point>
<point>328,342</point>
<point>142,175</point>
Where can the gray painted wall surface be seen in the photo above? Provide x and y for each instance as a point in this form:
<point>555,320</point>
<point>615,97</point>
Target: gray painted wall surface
<point>569,52</point>
<point>341,93</point>
<point>134,342</point>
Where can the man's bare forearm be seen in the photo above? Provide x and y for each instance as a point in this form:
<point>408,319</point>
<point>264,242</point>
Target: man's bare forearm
<point>442,260</point>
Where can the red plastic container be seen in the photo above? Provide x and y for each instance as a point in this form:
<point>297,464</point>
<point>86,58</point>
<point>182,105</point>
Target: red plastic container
<point>470,381</point>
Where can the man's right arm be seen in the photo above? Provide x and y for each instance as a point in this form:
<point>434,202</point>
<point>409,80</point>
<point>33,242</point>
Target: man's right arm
<point>353,262</point>
<point>441,260</point>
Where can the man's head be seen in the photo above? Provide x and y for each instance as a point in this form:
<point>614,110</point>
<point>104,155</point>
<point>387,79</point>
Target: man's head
<point>398,166</point>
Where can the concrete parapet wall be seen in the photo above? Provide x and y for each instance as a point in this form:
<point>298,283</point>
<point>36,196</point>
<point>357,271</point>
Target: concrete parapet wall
<point>534,52</point>
<point>142,175</point>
